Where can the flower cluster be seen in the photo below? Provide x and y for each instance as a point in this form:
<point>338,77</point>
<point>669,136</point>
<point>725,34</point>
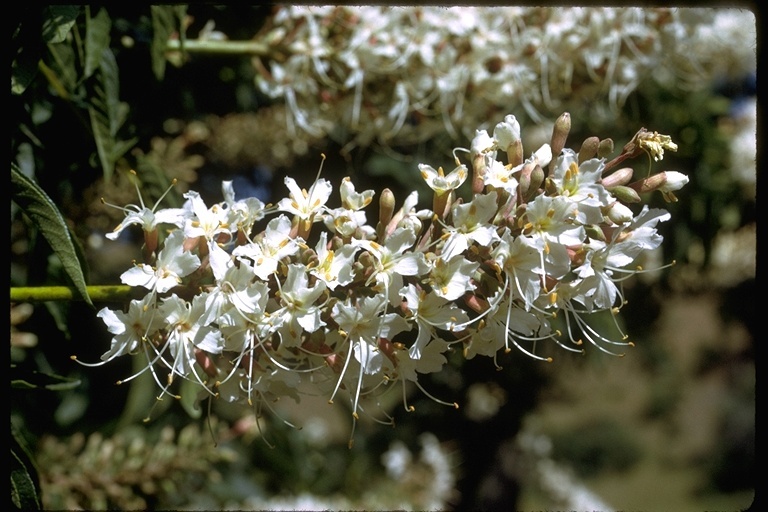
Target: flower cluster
<point>252,301</point>
<point>404,74</point>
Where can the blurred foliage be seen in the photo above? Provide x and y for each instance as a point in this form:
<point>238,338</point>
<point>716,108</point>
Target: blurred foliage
<point>598,445</point>
<point>93,96</point>
<point>130,470</point>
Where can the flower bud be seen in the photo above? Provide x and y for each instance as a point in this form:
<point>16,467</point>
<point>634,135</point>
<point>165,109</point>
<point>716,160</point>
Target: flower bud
<point>481,149</point>
<point>620,177</point>
<point>506,133</point>
<point>605,148</point>
<point>386,206</point>
<point>588,149</point>
<point>559,135</point>
<point>594,232</point>
<point>618,213</point>
<point>515,153</point>
<point>665,182</point>
<point>537,178</point>
<point>675,181</point>
<point>625,194</point>
<point>524,180</point>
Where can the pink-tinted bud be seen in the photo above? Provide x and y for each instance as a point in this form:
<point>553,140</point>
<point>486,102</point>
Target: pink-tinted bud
<point>620,177</point>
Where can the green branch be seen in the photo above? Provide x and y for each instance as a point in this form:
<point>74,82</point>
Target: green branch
<point>109,293</point>
<point>218,47</point>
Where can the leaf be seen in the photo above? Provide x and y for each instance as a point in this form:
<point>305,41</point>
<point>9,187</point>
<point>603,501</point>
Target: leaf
<point>58,20</point>
<point>25,482</point>
<point>26,50</point>
<point>97,40</point>
<point>166,21</point>
<point>108,113</point>
<point>189,401</point>
<point>42,380</point>
<point>43,212</point>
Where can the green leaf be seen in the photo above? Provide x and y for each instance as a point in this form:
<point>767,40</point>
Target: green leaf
<point>43,212</point>
<point>108,113</point>
<point>166,21</point>
<point>97,40</point>
<point>25,482</point>
<point>189,401</point>
<point>41,380</point>
<point>58,20</point>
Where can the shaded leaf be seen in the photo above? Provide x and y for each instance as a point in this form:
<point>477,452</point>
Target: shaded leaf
<point>166,21</point>
<point>108,113</point>
<point>42,380</point>
<point>58,20</point>
<point>25,482</point>
<point>26,50</point>
<point>97,40</point>
<point>43,212</point>
<point>63,74</point>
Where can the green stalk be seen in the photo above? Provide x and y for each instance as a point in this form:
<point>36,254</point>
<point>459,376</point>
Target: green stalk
<point>108,293</point>
<point>218,47</point>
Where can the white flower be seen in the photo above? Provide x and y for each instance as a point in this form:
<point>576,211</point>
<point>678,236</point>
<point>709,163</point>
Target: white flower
<point>334,268</point>
<point>172,264</point>
<point>364,324</point>
<point>300,309</point>
<point>430,311</point>
<point>351,199</point>
<point>508,323</point>
<point>130,329</point>
<point>147,218</point>
<point>393,261</point>
<point>450,279</point>
<point>211,225</point>
<point>348,223</point>
<point>580,184</point>
<point>553,220</point>
<point>269,248</point>
<point>471,223</point>
<point>441,183</point>
<point>241,213</point>
<point>187,335</point>
<point>498,175</point>
<point>302,203</point>
<point>483,144</point>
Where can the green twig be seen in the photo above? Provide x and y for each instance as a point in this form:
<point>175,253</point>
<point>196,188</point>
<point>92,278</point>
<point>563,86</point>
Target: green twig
<point>109,293</point>
<point>218,47</point>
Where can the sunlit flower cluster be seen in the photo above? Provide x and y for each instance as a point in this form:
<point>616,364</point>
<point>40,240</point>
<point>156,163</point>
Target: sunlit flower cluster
<point>405,74</point>
<point>252,302</point>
